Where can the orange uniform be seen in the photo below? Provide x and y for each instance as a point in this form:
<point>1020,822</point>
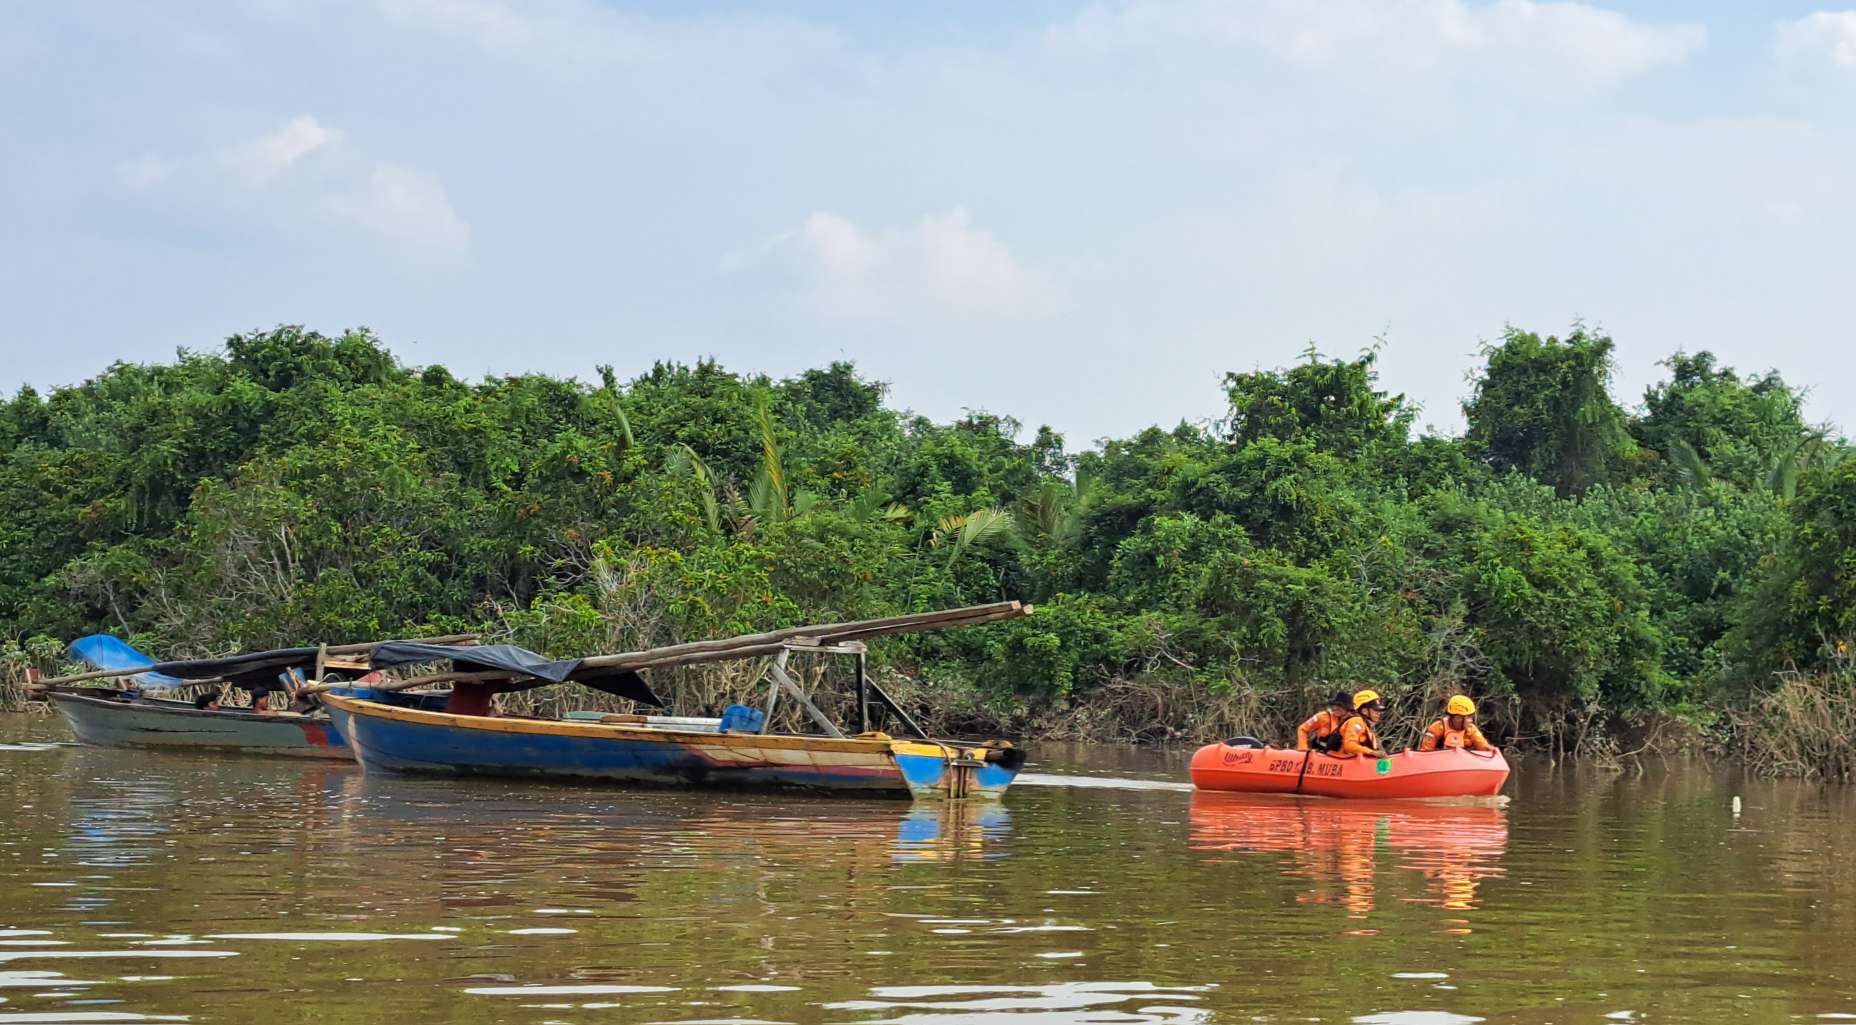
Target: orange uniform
<point>1439,735</point>
<point>1317,727</point>
<point>1357,737</point>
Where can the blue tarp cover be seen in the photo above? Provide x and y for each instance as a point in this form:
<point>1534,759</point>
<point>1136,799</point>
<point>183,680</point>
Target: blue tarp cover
<point>102,651</point>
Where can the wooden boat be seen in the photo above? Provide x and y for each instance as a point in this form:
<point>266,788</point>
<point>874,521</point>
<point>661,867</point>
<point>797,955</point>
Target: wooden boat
<point>1269,770</point>
<point>736,750</point>
<point>404,740</point>
<point>136,715</point>
<point>114,718</point>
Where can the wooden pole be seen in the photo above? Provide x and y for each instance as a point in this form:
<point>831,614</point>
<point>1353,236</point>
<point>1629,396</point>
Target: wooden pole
<point>863,694</point>
<point>783,679</point>
<point>825,633</point>
<point>750,646</point>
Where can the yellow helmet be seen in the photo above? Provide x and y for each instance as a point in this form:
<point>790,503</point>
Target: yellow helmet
<point>1363,698</point>
<point>1460,705</point>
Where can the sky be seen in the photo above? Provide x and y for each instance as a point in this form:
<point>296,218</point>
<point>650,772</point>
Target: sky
<point>1077,214</point>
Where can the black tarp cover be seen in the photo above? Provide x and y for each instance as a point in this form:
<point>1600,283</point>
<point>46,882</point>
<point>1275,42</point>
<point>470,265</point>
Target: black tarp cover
<point>508,658</point>
<point>258,669</point>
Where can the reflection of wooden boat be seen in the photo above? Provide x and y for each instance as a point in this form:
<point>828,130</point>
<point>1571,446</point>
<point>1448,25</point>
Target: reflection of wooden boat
<point>109,718</point>
<point>735,751</point>
<point>1269,770</point>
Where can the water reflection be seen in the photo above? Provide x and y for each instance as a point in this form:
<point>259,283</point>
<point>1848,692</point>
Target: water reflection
<point>245,890</point>
<point>948,831</point>
<point>1336,845</point>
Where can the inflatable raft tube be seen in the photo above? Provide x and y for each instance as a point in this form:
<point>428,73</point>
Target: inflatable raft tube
<point>1270,770</point>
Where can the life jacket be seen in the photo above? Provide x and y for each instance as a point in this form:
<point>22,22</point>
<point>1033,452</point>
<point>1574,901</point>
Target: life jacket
<point>1438,736</point>
<point>1371,739</point>
<point>1324,735</point>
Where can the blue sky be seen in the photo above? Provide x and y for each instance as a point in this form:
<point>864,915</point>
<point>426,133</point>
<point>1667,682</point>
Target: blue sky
<point>1079,214</point>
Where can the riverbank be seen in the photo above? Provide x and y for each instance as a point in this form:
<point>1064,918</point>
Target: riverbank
<point>1801,728</point>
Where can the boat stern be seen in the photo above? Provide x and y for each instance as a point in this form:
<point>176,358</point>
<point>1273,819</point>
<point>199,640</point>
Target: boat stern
<point>937,770</point>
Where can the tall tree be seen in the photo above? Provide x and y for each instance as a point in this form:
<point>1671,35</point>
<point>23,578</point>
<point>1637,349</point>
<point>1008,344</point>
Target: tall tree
<point>1708,422</point>
<point>1336,406</point>
<point>1542,406</point>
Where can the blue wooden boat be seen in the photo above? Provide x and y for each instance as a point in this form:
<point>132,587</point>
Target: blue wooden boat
<point>735,750</point>
<point>403,740</point>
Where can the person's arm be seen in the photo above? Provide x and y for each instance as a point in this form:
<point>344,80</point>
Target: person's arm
<point>1433,736</point>
<point>1301,732</point>
<point>1474,740</point>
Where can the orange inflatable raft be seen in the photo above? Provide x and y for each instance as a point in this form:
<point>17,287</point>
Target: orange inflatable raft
<point>1270,770</point>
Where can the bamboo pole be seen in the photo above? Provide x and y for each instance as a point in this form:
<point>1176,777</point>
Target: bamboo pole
<point>333,649</point>
<point>730,649</point>
<point>831,631</point>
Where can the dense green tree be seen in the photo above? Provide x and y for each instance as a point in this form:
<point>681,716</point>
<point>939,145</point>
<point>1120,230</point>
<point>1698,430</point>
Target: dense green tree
<point>1541,407</point>
<point>1562,558</point>
<point>1334,406</point>
<point>1708,422</point>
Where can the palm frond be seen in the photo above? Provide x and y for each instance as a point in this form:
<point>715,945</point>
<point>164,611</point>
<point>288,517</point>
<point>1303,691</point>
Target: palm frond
<point>1689,467</point>
<point>1782,473</point>
<point>685,460</point>
<point>772,463</point>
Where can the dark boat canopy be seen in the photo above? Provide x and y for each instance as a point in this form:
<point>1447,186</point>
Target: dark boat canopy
<point>259,669</point>
<point>508,658</point>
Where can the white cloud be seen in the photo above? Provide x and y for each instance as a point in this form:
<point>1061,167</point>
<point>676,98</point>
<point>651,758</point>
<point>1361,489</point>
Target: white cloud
<point>267,156</point>
<point>944,264</point>
<point>405,205</point>
<point>1553,48</point>
<point>1825,35</point>
<point>250,182</point>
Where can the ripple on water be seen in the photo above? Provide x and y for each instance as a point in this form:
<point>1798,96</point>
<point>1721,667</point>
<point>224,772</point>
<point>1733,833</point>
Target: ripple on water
<point>332,937</point>
<point>1077,1002</point>
<point>592,989</point>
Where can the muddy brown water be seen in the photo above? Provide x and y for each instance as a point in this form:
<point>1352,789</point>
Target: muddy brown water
<point>149,887</point>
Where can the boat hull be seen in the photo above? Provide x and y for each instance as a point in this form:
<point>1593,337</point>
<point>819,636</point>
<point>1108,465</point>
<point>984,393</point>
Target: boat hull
<point>153,723</point>
<point>1269,770</point>
<point>400,740</point>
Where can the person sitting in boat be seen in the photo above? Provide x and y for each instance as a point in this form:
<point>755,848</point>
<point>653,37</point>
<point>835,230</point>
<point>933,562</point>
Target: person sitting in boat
<point>1455,729</point>
<point>1321,731</point>
<point>207,702</point>
<point>1356,734</point>
<point>260,701</point>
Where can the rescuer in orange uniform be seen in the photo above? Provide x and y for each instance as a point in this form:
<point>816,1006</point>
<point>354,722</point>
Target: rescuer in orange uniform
<point>1455,729</point>
<point>1321,731</point>
<point>1356,734</point>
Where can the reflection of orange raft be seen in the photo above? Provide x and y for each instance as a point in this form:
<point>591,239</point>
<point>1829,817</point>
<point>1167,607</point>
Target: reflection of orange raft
<point>1455,847</point>
<point>1269,770</point>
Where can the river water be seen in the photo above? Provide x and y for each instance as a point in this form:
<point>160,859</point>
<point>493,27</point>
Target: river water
<point>149,887</point>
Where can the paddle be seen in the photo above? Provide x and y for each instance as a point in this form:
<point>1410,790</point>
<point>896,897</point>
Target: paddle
<point>1304,773</point>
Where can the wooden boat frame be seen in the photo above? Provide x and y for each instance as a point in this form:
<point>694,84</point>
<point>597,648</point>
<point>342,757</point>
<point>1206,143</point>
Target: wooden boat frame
<point>111,718</point>
<point>633,749</point>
